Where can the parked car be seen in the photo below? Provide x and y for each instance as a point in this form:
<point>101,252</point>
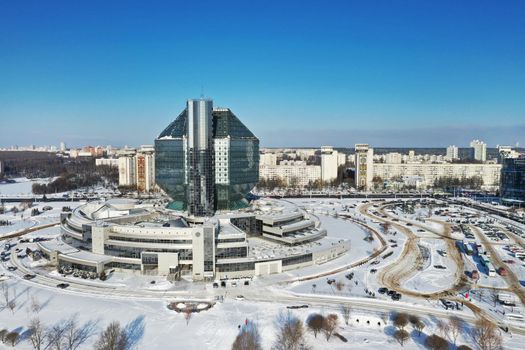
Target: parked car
<point>382,290</point>
<point>29,276</point>
<point>62,285</point>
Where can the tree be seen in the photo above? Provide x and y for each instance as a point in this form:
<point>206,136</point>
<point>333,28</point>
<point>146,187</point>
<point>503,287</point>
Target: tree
<point>12,305</point>
<point>12,338</point>
<point>54,336</point>
<point>74,335</point>
<point>413,319</point>
<point>329,325</point>
<point>455,326</point>
<point>435,342</point>
<point>486,335</point>
<point>419,326</point>
<point>401,336</point>
<point>3,333</point>
<point>464,347</point>
<point>400,320</point>
<point>35,305</point>
<point>346,311</point>
<point>113,337</point>
<point>443,328</point>
<point>315,323</point>
<point>339,285</point>
<point>290,333</point>
<point>5,294</point>
<point>248,338</point>
<point>37,333</point>
<point>187,314</point>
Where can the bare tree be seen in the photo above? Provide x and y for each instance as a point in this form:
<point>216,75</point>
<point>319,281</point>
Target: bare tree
<point>12,305</point>
<point>400,320</point>
<point>443,328</point>
<point>413,319</point>
<point>329,325</point>
<point>290,333</point>
<point>419,326</point>
<point>315,323</point>
<point>346,311</point>
<point>248,338</point>
<point>464,347</point>
<point>486,335</point>
<point>113,337</point>
<point>187,314</point>
<point>37,333</point>
<point>54,336</point>
<point>5,294</point>
<point>401,336</point>
<point>3,333</point>
<point>35,306</point>
<point>455,326</point>
<point>12,337</point>
<point>76,335</point>
<point>435,342</point>
<point>339,286</point>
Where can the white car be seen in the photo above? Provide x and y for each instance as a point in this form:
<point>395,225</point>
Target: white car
<point>4,278</point>
<point>239,297</point>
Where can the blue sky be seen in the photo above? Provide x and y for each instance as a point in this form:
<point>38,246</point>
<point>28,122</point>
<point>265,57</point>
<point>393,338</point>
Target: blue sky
<point>297,73</point>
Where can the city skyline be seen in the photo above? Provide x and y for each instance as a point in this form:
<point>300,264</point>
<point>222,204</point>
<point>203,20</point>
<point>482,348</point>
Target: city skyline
<point>390,75</point>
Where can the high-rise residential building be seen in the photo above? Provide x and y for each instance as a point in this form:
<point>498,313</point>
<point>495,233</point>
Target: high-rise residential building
<point>62,147</point>
<point>292,173</point>
<point>1,167</point>
<point>127,168</point>
<point>452,152</point>
<point>329,163</point>
<point>112,162</point>
<point>145,162</point>
<point>429,172</point>
<point>341,159</point>
<point>512,186</point>
<point>206,160</point>
<point>479,150</point>
<point>393,158</point>
<point>364,164</point>
<point>268,159</point>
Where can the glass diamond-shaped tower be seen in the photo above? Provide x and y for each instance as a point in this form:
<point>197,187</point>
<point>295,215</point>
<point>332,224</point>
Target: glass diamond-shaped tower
<point>206,160</point>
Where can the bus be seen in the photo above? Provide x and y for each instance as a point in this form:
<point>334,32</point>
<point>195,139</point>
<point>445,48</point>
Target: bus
<point>491,270</point>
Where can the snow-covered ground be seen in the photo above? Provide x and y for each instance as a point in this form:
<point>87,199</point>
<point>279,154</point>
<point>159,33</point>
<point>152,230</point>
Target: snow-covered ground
<point>22,187</point>
<point>23,219</point>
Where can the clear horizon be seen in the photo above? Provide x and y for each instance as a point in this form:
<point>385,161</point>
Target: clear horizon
<point>391,75</point>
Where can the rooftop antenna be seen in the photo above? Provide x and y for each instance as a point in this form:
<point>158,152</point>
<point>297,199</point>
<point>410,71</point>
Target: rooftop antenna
<point>202,92</point>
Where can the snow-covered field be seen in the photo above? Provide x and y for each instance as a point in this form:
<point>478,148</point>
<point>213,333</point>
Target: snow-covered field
<point>22,186</point>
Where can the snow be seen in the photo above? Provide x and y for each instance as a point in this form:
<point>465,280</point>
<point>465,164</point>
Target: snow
<point>22,187</point>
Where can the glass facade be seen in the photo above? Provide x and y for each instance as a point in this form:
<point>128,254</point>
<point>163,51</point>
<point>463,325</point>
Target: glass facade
<point>202,180</point>
<point>513,179</point>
